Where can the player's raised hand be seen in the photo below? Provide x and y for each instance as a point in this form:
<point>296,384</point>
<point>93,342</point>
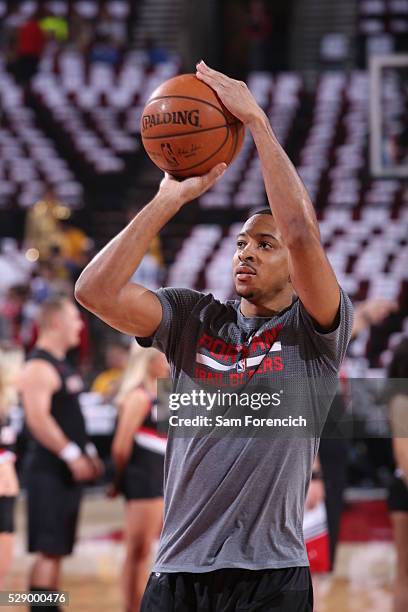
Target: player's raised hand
<point>186,190</point>
<point>235,95</point>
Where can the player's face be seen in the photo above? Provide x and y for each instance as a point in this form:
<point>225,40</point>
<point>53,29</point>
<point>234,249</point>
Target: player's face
<point>70,323</point>
<point>260,263</point>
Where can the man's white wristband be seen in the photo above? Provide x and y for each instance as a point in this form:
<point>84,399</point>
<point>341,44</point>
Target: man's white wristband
<point>90,450</point>
<point>70,452</point>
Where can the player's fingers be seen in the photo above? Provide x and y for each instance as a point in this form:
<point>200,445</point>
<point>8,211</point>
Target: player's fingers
<point>217,77</point>
<point>202,67</point>
<point>220,88</point>
<point>214,73</point>
<point>209,79</point>
<point>207,180</point>
<point>214,174</point>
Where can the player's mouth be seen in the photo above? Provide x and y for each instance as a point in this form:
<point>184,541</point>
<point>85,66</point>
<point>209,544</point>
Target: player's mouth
<point>244,273</point>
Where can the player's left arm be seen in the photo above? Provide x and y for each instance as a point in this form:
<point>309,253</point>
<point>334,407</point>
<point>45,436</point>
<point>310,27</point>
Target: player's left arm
<point>311,274</point>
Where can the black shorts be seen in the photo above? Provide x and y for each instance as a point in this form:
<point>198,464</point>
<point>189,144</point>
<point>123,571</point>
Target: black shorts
<point>7,514</point>
<point>398,495</point>
<point>230,590</point>
<point>143,475</point>
<point>53,508</point>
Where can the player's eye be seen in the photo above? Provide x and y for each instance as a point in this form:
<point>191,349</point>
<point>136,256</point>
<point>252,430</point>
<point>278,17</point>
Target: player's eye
<point>240,244</point>
<point>265,245</point>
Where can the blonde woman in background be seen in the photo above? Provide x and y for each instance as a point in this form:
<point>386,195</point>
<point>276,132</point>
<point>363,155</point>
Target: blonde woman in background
<point>138,452</point>
<point>11,360</point>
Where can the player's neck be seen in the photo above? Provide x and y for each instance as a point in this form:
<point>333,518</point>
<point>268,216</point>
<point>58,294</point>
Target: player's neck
<point>269,307</point>
<point>52,345</point>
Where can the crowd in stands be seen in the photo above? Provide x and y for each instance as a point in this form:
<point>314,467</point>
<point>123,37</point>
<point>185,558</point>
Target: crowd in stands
<point>53,253</point>
<point>30,30</point>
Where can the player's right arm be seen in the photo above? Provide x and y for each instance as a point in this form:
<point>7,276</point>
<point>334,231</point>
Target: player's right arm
<point>38,382</point>
<point>104,286</point>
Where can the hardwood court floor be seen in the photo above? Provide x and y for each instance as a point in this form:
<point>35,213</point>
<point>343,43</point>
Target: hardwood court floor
<point>361,581</point>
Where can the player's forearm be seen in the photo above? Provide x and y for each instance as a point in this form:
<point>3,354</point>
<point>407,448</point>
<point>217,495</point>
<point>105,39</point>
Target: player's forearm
<point>290,203</point>
<point>121,450</point>
<point>112,268</point>
<point>120,460</point>
<point>48,433</point>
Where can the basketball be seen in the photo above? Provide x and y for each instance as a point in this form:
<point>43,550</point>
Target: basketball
<point>186,130</point>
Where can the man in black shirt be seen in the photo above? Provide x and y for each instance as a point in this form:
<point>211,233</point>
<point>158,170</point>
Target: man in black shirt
<point>61,458</point>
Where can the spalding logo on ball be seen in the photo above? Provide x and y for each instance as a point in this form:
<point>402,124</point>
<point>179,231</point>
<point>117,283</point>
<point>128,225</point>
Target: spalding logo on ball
<point>186,130</point>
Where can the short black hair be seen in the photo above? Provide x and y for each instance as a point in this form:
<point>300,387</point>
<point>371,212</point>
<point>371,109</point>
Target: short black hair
<point>260,211</point>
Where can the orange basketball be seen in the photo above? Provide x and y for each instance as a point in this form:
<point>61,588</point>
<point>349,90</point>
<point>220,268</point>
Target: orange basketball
<point>186,130</point>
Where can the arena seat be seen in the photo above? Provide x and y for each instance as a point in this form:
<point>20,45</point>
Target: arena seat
<point>28,158</point>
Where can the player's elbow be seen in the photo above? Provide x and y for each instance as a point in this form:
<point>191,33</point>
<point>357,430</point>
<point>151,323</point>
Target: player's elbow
<point>83,295</point>
<point>89,296</point>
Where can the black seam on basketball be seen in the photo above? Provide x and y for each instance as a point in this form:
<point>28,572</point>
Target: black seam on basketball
<point>167,136</point>
<point>189,98</point>
<point>174,170</point>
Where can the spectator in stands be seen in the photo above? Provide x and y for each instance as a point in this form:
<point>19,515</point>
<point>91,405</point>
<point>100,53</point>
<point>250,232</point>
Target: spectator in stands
<point>42,226</point>
<point>50,229</point>
<point>80,30</point>
<point>114,29</point>
<point>116,360</point>
<point>155,54</point>
<point>371,312</point>
<point>396,147</point>
<point>55,27</point>
<point>19,311</point>
<point>105,50</point>
<point>49,279</point>
<point>74,244</point>
<point>11,360</point>
<point>31,42</point>
<point>14,267</point>
<point>398,494</point>
<point>151,271</point>
<point>9,26</point>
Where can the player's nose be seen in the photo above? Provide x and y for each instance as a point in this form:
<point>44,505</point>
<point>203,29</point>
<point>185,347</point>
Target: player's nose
<point>246,254</point>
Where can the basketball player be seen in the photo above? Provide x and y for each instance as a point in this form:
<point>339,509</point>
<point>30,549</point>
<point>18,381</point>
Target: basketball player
<point>232,537</point>
<point>62,458</point>
<point>11,360</point>
<point>398,494</point>
<point>138,451</point>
